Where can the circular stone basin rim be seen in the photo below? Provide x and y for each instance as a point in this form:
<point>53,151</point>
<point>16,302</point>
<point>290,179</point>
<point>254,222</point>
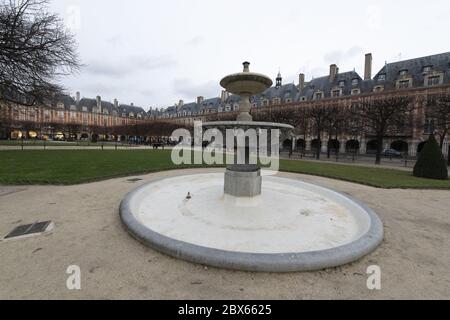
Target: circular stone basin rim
<point>259,262</point>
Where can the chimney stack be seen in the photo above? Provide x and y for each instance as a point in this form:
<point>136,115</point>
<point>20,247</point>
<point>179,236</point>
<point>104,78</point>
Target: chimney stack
<point>78,97</point>
<point>224,96</point>
<point>99,104</point>
<point>116,103</point>
<point>301,81</point>
<point>333,72</point>
<point>200,100</point>
<point>368,67</point>
<point>132,104</point>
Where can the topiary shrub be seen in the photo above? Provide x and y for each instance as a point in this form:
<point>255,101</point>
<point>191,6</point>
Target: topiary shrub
<point>431,163</point>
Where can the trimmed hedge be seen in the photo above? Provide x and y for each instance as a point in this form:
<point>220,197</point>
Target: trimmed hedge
<point>431,163</point>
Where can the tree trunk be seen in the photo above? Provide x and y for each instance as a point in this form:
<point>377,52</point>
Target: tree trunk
<point>442,140</point>
<point>329,149</point>
<point>319,149</point>
<point>448,158</point>
<point>379,150</point>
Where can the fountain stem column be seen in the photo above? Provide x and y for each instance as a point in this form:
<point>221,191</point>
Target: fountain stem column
<point>244,108</point>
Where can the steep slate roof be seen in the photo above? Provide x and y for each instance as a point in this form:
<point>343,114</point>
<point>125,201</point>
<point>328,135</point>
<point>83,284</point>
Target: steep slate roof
<point>65,99</point>
<point>438,62</point>
<point>213,104</point>
<point>326,86</point>
<point>124,108</point>
<point>414,67</point>
<point>188,107</point>
<point>287,91</point>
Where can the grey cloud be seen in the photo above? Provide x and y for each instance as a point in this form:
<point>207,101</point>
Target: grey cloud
<point>188,90</point>
<point>115,41</point>
<point>196,41</point>
<point>339,56</point>
<point>129,65</point>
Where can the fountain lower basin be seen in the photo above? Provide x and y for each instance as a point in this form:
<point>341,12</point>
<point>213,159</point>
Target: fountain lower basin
<point>291,226</point>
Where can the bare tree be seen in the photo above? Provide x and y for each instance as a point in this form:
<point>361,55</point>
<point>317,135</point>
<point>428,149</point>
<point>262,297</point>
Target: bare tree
<point>382,116</point>
<point>336,125</point>
<point>438,111</point>
<point>319,116</point>
<point>35,51</point>
<point>302,126</point>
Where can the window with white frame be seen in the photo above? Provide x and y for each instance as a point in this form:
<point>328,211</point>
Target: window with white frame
<point>403,84</point>
<point>378,88</point>
<point>336,93</point>
<point>426,69</point>
<point>434,81</point>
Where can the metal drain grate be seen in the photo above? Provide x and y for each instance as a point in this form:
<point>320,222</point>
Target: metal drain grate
<point>134,180</point>
<point>28,229</point>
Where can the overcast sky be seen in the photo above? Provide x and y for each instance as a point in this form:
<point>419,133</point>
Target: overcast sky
<point>154,53</point>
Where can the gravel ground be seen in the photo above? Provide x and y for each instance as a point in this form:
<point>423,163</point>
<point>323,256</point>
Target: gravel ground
<point>414,258</point>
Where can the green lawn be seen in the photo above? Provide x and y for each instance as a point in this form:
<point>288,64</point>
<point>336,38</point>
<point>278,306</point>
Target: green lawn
<point>74,167</point>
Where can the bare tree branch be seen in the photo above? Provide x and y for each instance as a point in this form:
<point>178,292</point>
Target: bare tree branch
<point>35,51</point>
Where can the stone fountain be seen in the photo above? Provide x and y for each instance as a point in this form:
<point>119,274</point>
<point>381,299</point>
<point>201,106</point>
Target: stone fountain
<point>244,179</point>
<point>245,220</point>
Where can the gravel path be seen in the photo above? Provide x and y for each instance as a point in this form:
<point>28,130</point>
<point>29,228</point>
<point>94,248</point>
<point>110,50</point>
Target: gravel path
<point>414,258</point>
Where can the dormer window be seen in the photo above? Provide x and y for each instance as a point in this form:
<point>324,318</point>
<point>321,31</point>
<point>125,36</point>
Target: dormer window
<point>318,95</point>
<point>336,93</point>
<point>403,72</point>
<point>434,81</point>
<point>403,84</point>
<point>303,98</point>
<point>355,82</point>
<point>355,92</point>
<point>426,69</point>
<point>378,89</point>
<point>342,84</point>
<point>382,77</point>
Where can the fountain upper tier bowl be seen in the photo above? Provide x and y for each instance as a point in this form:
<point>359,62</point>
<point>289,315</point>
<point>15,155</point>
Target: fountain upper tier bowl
<point>246,82</point>
<point>246,125</point>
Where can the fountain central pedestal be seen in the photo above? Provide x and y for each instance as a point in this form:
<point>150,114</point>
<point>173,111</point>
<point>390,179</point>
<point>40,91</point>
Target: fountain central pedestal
<point>243,181</point>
